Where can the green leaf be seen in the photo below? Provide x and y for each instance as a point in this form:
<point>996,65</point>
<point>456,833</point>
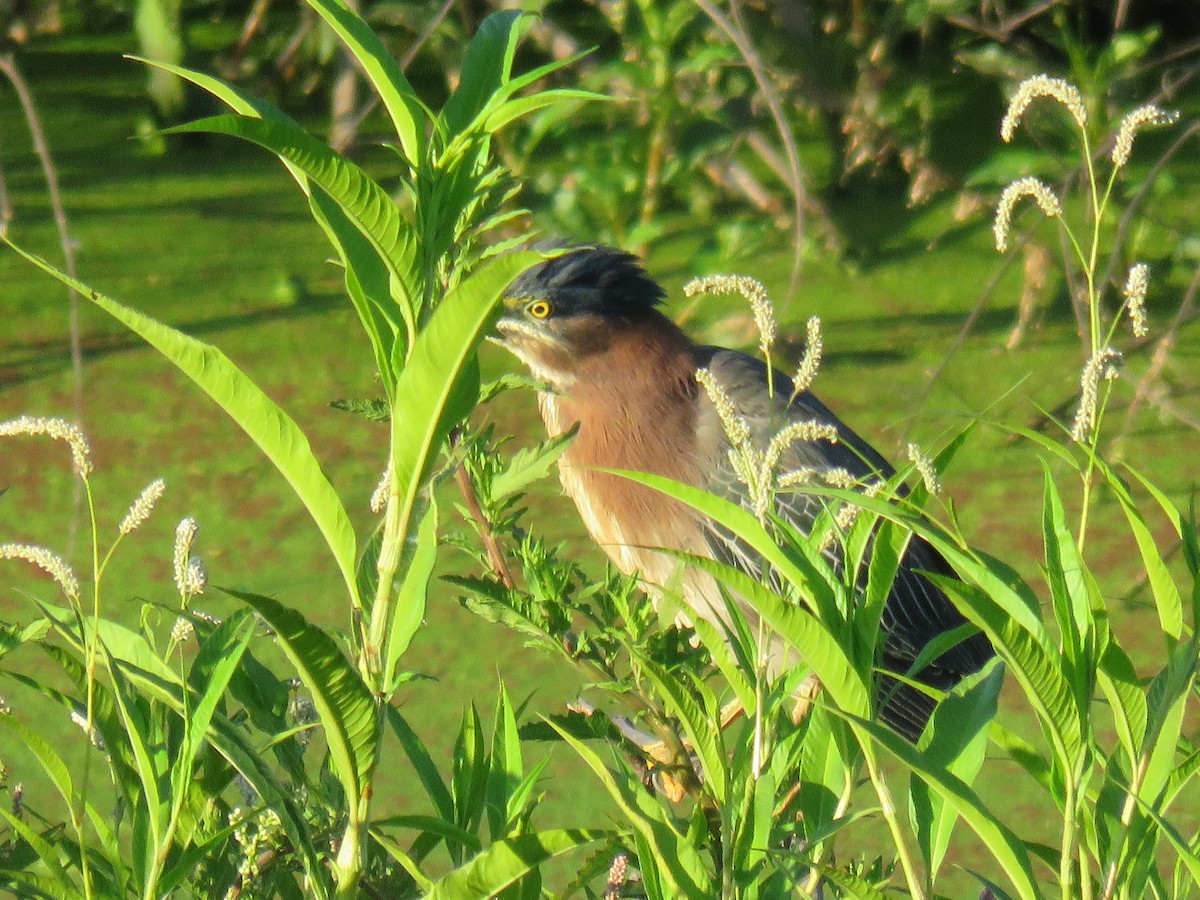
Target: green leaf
<point>280,438</point>
<point>448,831</point>
<point>406,862</point>
<point>412,594</point>
<point>367,280</point>
<point>1037,669</point>
<point>399,98</point>
<point>229,740</point>
<point>13,636</point>
<point>1120,683</point>
<point>506,862</point>
<point>807,570</point>
<point>363,201</point>
<point>214,667</point>
<point>1066,574</point>
<point>347,709</point>
<point>530,464</point>
<point>235,98</point>
<point>1004,846</point>
<point>56,861</point>
<point>505,773</point>
<point>1166,702</point>
<point>367,276</point>
<point>424,413</point>
<point>506,113</point>
<point>1166,594</point>
<point>123,643</point>
<point>371,410</point>
<point>678,864</point>
<point>702,730</point>
<point>418,755</point>
<point>954,742</point>
<point>839,677</point>
<point>140,737</point>
<point>485,69</point>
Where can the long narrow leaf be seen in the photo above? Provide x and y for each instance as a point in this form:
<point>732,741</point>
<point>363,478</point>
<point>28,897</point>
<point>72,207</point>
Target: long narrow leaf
<point>422,417</point>
<point>506,862</point>
<point>1004,846</point>
<point>366,204</point>
<point>345,705</point>
<point>677,863</point>
<point>703,732</point>
<point>280,438</point>
<point>399,98</point>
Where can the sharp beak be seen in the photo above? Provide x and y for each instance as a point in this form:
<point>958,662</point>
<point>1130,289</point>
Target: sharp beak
<point>514,331</point>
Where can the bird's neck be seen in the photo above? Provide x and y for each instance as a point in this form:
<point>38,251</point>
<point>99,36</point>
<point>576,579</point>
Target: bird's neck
<point>634,400</point>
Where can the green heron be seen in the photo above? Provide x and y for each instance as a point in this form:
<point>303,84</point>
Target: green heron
<point>587,323</point>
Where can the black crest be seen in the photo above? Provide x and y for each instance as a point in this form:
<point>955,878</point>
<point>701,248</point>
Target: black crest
<point>599,280</point>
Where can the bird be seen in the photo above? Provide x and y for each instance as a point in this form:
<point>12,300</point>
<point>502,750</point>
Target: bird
<point>588,324</point>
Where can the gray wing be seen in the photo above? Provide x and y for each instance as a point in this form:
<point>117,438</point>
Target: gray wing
<point>916,611</point>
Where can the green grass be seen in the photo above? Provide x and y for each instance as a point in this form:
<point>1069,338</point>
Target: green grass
<point>213,238</point>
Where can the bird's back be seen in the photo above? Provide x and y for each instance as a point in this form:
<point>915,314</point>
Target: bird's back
<point>917,611</point>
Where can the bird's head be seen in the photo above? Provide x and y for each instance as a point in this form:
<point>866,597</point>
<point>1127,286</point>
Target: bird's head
<point>572,306</point>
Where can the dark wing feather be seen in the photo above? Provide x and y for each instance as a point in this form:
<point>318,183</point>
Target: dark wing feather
<point>917,610</point>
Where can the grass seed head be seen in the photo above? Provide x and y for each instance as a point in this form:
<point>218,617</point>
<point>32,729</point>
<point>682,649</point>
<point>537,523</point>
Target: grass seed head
<point>185,533</point>
<point>1143,117</point>
<point>140,511</point>
<point>735,426</point>
<point>1136,284</point>
<point>50,563</point>
<point>811,361</point>
<point>1042,86</point>
<point>1028,186</point>
<point>60,430</point>
<point>1102,364</point>
<point>755,294</point>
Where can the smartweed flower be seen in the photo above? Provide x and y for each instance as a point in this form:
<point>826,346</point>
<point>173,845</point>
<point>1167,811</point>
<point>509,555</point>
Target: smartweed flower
<point>1136,284</point>
<point>1102,363</point>
<point>1028,186</point>
<point>755,294</point>
<point>140,511</point>
<point>618,873</point>
<point>379,496</point>
<point>811,361</point>
<point>185,533</point>
<point>60,430</point>
<point>183,630</point>
<point>1042,86</point>
<point>48,562</point>
<point>1142,117</point>
<point>926,469</point>
<point>196,578</point>
<point>79,717</point>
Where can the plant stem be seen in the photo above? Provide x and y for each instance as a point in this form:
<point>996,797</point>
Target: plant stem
<point>888,808</point>
<point>1135,785</point>
<point>1066,860</point>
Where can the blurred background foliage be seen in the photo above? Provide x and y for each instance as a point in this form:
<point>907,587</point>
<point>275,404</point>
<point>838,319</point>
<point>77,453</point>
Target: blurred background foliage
<point>753,115</point>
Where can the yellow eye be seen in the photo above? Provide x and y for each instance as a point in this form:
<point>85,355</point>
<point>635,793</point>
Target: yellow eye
<point>539,309</point>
